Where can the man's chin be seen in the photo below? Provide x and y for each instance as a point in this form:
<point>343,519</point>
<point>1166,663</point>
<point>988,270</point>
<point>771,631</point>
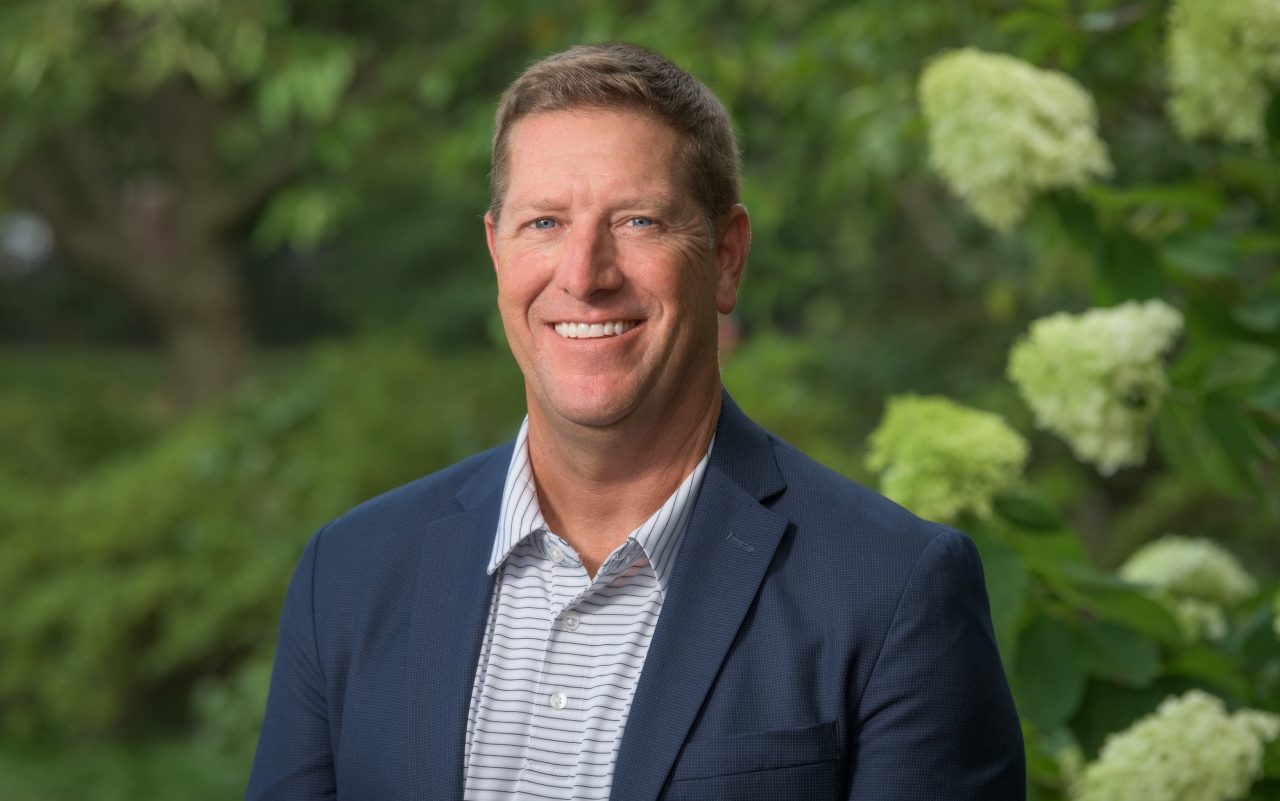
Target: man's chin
<point>588,410</point>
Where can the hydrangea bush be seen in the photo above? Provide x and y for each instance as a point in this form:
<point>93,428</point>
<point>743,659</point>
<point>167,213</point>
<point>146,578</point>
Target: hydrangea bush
<point>1151,652</point>
<point>1196,578</point>
<point>1001,131</point>
<point>941,459</point>
<point>1223,62</point>
<point>1189,749</point>
<point>1190,567</point>
<point>1097,379</point>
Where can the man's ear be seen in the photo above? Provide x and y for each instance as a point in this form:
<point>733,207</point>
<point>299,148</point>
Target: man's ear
<point>490,235</point>
<point>733,240</point>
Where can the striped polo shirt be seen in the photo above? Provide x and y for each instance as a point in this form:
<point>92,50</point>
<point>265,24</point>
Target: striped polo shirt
<point>562,652</point>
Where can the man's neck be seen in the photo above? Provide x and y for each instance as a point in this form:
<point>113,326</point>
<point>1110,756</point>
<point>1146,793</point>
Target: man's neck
<point>597,486</point>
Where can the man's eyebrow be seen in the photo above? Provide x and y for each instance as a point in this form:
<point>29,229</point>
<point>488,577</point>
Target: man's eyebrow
<point>536,204</point>
<point>661,203</point>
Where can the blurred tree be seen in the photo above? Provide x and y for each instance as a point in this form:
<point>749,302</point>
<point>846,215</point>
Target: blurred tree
<point>156,135</point>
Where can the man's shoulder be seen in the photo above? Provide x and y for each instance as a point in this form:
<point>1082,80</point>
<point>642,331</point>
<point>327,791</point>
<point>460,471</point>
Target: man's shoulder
<point>835,516</point>
<point>410,506</point>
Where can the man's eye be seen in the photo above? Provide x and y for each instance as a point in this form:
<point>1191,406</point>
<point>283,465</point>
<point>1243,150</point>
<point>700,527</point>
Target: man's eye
<point>543,224</point>
<point>640,222</point>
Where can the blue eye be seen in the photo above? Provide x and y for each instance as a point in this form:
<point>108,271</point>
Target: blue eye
<point>544,224</point>
<point>640,222</point>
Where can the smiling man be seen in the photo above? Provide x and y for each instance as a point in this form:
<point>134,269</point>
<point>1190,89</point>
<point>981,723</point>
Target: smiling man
<point>645,595</point>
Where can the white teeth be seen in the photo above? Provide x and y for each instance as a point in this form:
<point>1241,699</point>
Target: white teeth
<point>593,330</point>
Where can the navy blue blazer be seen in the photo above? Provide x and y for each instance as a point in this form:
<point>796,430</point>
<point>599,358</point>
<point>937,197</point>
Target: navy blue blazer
<point>816,642</point>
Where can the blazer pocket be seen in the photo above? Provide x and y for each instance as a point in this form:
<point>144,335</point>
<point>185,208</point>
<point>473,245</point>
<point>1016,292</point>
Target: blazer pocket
<point>707,757</point>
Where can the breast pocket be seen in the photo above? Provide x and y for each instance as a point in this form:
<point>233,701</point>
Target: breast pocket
<point>781,764</point>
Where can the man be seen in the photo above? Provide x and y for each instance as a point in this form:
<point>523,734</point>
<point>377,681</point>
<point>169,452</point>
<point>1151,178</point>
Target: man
<point>645,596</point>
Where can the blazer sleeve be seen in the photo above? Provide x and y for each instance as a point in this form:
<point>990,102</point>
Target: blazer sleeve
<point>294,760</point>
<point>936,719</point>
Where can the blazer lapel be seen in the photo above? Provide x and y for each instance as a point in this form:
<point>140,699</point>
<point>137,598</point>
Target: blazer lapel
<point>451,605</point>
<point>724,556</point>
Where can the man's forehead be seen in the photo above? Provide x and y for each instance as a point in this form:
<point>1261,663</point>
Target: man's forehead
<point>592,155</point>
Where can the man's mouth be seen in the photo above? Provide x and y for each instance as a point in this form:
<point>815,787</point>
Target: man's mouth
<point>594,330</point>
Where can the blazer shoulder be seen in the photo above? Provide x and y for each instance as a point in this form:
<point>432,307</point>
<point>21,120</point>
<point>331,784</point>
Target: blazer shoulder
<point>411,505</point>
<point>820,498</point>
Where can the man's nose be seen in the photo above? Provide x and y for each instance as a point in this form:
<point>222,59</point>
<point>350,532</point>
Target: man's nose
<point>589,262</point>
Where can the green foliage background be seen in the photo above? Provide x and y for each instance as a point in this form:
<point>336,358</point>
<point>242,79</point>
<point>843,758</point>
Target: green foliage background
<point>144,555</point>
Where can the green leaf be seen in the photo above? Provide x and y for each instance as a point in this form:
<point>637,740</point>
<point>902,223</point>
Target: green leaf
<point>1237,433</point>
<point>1240,364</point>
<point>1203,201</point>
<point>1056,548</point>
<point>1109,708</point>
<point>1273,123</point>
<point>1028,509</point>
<point>1267,396</point>
<point>1078,219</point>
<point>1109,598</point>
<point>1188,445</point>
<point>1118,653</point>
<point>1200,254</point>
<point>1271,760</point>
<point>1007,581</point>
<point>1209,665</point>
<point>1048,680</point>
<point>1127,268</point>
<point>1260,313</point>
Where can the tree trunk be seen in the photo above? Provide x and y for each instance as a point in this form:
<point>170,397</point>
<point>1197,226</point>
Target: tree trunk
<point>204,327</point>
<point>161,237</point>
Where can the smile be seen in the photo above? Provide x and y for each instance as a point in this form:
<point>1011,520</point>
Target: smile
<point>594,330</point>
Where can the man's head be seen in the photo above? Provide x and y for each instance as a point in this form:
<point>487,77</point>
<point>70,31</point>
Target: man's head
<point>618,239</point>
<point>626,77</point>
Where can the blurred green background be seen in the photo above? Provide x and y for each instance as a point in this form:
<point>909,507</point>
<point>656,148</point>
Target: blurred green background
<point>242,258</point>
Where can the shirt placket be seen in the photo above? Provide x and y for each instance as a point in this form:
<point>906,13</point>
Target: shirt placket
<point>561,710</point>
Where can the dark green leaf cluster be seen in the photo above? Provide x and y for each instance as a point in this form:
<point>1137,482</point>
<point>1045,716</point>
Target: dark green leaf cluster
<point>163,568</point>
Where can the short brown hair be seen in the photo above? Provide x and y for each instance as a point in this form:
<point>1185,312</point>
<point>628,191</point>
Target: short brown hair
<point>617,75</point>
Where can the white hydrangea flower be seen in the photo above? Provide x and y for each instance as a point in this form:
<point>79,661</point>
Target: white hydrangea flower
<point>940,458</point>
<point>1199,620</point>
<point>1001,130</point>
<point>1097,379</point>
<point>1222,56</point>
<point>1190,568</point>
<point>1189,749</point>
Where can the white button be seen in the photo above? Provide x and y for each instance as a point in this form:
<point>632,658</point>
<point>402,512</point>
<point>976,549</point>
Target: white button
<point>555,553</point>
<point>557,700</point>
<point>571,622</point>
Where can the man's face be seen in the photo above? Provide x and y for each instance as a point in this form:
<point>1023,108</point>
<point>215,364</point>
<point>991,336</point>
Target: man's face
<point>608,278</point>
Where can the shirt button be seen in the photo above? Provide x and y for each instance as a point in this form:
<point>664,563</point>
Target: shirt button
<point>571,622</point>
<point>556,554</point>
<point>557,700</point>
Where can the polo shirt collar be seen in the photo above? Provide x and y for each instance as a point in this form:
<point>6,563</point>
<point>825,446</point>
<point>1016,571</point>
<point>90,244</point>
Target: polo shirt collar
<point>660,536</point>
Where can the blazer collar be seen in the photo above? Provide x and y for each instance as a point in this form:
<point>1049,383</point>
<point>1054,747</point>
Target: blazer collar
<point>732,531</point>
<point>450,609</point>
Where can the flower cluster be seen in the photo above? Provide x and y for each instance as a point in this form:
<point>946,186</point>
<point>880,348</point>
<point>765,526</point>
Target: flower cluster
<point>1001,130</point>
<point>1097,379</point>
<point>1199,620</point>
<point>1190,567</point>
<point>1195,578</point>
<point>1189,749</point>
<point>940,458</point>
<point>1221,58</point>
